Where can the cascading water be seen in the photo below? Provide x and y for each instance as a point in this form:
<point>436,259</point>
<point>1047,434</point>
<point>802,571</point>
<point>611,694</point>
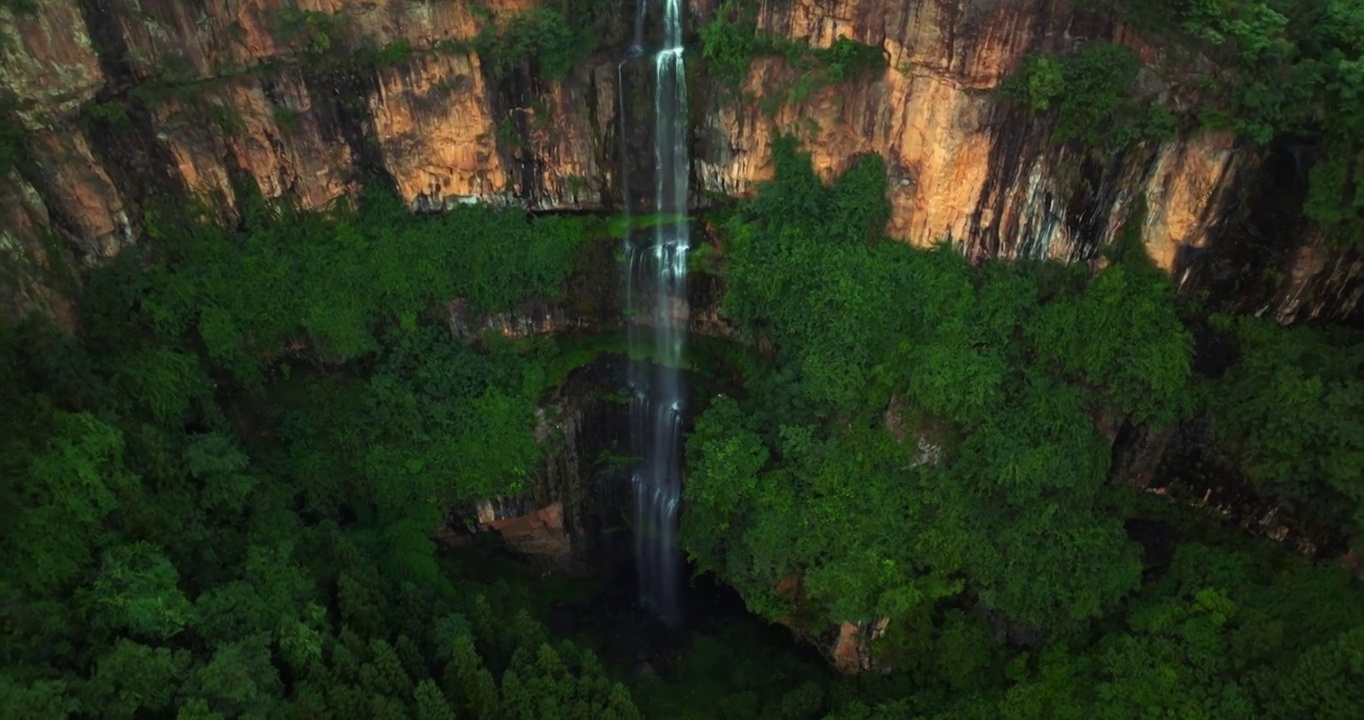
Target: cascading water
<point>656,295</point>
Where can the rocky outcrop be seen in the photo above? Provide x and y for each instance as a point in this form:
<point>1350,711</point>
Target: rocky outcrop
<point>129,101</point>
<point>31,278</point>
<point>539,533</point>
<point>592,303</point>
<point>1319,282</point>
<point>48,62</point>
<point>573,495</point>
<point>964,166</point>
<point>851,652</point>
<point>848,646</point>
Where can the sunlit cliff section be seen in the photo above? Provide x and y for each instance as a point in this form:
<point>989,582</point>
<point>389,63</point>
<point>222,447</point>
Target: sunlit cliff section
<point>119,103</point>
<point>964,165</point>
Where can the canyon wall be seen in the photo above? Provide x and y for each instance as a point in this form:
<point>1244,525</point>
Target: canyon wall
<point>126,102</point>
<point>573,504</point>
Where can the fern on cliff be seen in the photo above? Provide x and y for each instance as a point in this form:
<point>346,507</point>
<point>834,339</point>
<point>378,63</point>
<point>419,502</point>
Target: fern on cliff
<point>730,42</point>
<point>544,36</point>
<point>1091,94</point>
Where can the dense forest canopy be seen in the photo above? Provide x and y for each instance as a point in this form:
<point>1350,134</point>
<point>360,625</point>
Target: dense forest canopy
<point>224,486</point>
<point>218,494</point>
<point>925,446</point>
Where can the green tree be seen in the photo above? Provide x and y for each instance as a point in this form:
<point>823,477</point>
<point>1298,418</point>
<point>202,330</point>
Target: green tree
<point>431,703</point>
<point>136,591</point>
<point>132,678</point>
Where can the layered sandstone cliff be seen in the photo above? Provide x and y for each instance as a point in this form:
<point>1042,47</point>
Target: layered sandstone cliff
<point>963,166</point>
<point>127,101</point>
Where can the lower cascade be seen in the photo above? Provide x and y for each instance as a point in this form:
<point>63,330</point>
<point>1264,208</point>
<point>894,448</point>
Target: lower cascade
<point>656,295</point>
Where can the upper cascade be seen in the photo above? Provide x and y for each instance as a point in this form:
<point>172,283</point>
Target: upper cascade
<point>656,291</point>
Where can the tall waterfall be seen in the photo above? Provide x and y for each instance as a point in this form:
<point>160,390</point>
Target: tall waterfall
<point>656,295</point>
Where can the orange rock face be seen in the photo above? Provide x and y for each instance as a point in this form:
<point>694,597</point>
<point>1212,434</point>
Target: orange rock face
<point>850,651</point>
<point>963,168</point>
<point>27,281</point>
<point>1320,278</point>
<point>255,100</point>
<point>88,196</point>
<point>439,154</point>
<point>47,62</point>
<point>539,533</point>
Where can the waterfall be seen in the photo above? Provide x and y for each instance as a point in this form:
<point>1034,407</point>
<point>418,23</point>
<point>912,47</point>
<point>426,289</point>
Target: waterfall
<point>655,278</point>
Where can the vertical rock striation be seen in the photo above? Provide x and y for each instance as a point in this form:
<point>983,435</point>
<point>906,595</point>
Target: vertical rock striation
<point>964,166</point>
<point>125,101</point>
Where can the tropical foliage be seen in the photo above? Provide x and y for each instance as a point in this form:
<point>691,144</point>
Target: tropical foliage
<point>922,447</point>
<point>991,478</point>
<point>218,494</point>
<point>1090,93</point>
<point>219,497</point>
<point>730,42</point>
<point>1289,416</point>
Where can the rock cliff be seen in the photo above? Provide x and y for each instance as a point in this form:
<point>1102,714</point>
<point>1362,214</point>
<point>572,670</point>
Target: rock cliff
<point>125,101</point>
